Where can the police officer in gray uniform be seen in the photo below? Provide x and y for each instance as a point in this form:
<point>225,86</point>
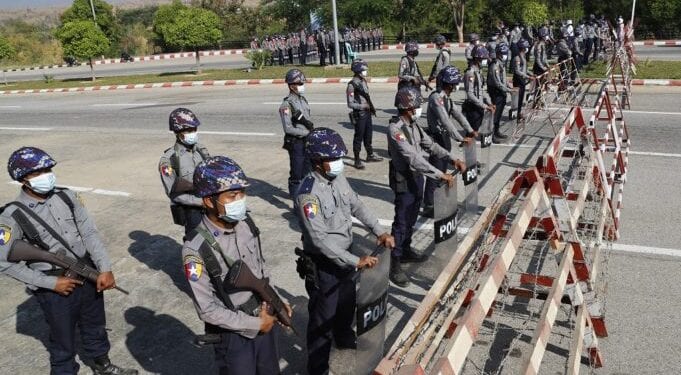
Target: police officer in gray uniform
<point>358,99</point>
<point>441,61</point>
<point>409,74</point>
<point>541,64</point>
<point>326,205</point>
<point>497,87</point>
<point>476,102</point>
<point>176,168</point>
<point>468,52</point>
<point>409,148</point>
<point>226,234</point>
<point>520,76</point>
<point>441,128</point>
<point>295,118</point>
<point>54,219</point>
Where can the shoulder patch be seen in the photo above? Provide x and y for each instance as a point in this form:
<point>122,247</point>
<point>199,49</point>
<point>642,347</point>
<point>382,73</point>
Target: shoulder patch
<point>193,267</point>
<point>166,170</point>
<point>5,234</point>
<point>399,137</point>
<point>306,186</point>
<point>284,110</point>
<point>440,101</point>
<point>80,198</point>
<point>310,207</point>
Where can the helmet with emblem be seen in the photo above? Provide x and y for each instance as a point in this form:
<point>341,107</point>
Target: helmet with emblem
<point>359,65</point>
<point>450,75</point>
<point>27,160</point>
<point>474,37</point>
<point>217,174</point>
<point>182,119</point>
<point>295,77</point>
<point>502,49</point>
<point>324,143</point>
<point>411,47</point>
<point>408,98</point>
<point>440,40</point>
<point>480,52</point>
<point>523,43</point>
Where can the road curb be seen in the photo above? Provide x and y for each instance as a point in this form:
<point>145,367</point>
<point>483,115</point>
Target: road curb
<point>250,82</point>
<point>225,52</point>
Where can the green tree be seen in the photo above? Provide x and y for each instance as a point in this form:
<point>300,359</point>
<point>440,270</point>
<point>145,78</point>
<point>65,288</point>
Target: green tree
<point>83,40</point>
<point>6,52</point>
<point>529,12</point>
<point>106,20</point>
<point>193,28</point>
<point>163,18</point>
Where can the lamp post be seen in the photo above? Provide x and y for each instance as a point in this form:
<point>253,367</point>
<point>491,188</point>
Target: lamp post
<point>92,6</point>
<point>335,31</point>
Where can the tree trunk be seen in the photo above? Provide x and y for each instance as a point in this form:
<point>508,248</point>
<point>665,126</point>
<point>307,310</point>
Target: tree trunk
<point>459,23</point>
<point>92,69</point>
<point>198,62</point>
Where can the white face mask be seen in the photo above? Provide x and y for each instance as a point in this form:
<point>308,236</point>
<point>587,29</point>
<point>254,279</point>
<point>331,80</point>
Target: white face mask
<point>365,73</point>
<point>235,211</point>
<point>42,184</point>
<point>335,168</point>
<point>191,138</point>
<point>419,112</point>
<point>301,89</point>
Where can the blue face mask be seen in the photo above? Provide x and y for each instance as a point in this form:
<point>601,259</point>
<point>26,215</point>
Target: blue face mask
<point>42,184</point>
<point>235,211</point>
<point>335,168</point>
<point>190,138</point>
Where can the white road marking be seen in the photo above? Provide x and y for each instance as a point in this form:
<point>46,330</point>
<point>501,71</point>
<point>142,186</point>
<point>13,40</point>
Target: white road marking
<point>9,106</point>
<point>111,193</point>
<point>122,104</point>
<point>27,129</point>
<point>238,133</point>
<point>654,154</point>
<point>646,250</point>
<point>653,113</point>
<point>311,103</point>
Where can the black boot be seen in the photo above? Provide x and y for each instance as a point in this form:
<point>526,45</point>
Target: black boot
<point>103,366</point>
<point>498,137</point>
<point>373,158</point>
<point>410,256</point>
<point>358,162</point>
<point>397,276</point>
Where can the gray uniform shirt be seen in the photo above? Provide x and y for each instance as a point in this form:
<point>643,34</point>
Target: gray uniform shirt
<point>408,73</point>
<point>79,232</point>
<point>540,59</point>
<point>520,67</point>
<point>357,102</point>
<point>472,81</point>
<point>409,148</point>
<point>325,210</point>
<point>496,77</point>
<point>178,180</point>
<point>516,34</point>
<point>237,243</point>
<point>294,103</point>
<point>440,108</point>
<point>468,52</point>
<point>441,61</point>
<point>563,49</point>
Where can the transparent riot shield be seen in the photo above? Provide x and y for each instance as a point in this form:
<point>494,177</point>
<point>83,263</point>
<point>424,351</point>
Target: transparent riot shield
<point>486,131</point>
<point>446,218</point>
<point>470,178</point>
<point>372,306</point>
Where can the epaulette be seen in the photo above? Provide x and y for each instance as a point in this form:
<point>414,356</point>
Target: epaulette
<point>306,186</point>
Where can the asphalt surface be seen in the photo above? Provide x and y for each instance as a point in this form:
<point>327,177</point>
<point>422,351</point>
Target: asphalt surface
<point>111,141</point>
<point>187,64</point>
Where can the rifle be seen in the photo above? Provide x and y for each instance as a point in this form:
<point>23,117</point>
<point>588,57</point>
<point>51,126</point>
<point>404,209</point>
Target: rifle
<point>241,277</point>
<point>73,268</point>
<point>298,118</point>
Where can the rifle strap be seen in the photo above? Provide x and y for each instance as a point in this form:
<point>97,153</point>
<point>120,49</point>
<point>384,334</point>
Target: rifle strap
<point>31,231</point>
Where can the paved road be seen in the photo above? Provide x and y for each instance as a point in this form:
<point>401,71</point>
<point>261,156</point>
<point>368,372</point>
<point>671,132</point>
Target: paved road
<point>187,64</point>
<point>110,142</point>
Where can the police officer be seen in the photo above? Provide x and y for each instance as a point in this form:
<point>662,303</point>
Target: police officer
<point>468,52</point>
<point>564,54</point>
<point>520,76</point>
<point>409,148</point>
<point>326,205</point>
<point>176,168</point>
<point>409,74</point>
<point>295,118</point>
<point>226,233</point>
<point>497,87</point>
<point>441,61</point>
<point>441,128</point>
<point>476,102</point>
<point>55,219</point>
<point>541,64</point>
<point>359,101</point>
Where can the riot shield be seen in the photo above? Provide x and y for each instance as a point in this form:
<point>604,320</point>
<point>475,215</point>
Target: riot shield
<point>446,218</point>
<point>486,131</point>
<point>470,178</point>
<point>372,307</point>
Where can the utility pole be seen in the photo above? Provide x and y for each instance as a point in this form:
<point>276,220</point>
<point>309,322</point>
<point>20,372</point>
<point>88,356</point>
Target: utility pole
<point>335,31</point>
<point>92,6</point>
